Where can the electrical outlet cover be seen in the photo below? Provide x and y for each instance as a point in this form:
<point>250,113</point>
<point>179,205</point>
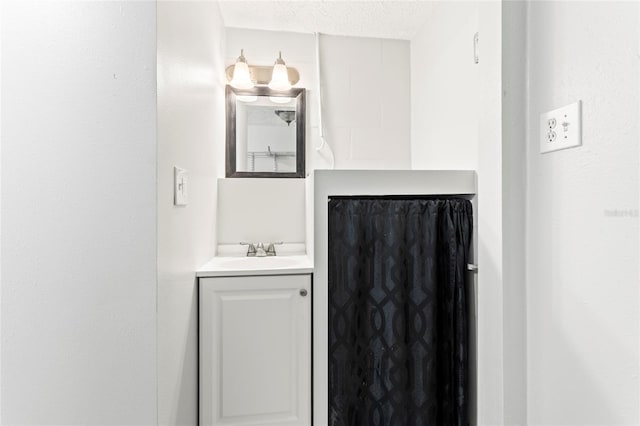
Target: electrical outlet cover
<point>561,128</point>
<point>180,194</point>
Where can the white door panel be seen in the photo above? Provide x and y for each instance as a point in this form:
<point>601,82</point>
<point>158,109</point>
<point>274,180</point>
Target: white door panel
<point>255,350</point>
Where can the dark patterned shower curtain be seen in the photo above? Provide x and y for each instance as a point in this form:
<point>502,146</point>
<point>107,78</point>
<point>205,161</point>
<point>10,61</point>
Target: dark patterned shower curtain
<point>398,326</point>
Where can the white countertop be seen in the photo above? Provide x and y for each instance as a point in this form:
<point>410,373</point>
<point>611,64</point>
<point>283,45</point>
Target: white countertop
<point>232,266</point>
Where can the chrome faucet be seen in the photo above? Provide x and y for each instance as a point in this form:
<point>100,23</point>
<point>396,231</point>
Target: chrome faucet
<point>258,250</point>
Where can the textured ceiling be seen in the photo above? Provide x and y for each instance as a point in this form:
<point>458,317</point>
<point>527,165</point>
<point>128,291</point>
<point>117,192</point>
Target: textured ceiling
<point>397,19</point>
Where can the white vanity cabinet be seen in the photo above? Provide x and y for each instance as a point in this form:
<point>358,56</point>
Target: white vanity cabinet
<point>255,350</point>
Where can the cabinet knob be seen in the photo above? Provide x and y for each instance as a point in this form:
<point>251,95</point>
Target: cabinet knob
<point>303,292</point>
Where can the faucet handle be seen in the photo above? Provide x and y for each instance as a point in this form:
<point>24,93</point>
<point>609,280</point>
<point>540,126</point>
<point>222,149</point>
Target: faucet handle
<point>251,250</point>
<point>271,248</point>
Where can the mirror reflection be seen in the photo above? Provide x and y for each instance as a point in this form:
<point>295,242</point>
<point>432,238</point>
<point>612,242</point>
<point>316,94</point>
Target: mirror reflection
<point>265,133</point>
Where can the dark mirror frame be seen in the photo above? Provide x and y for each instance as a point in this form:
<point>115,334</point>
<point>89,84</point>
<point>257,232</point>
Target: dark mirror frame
<point>231,94</point>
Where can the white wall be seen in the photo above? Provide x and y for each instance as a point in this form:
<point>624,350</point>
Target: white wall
<point>444,89</point>
<point>190,136</point>
<point>366,101</point>
<point>261,210</point>
<point>1,381</point>
<point>491,220</point>
<point>582,226</point>
<point>79,213</point>
<point>514,147</point>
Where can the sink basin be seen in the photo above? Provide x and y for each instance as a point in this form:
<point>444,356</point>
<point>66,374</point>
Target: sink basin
<point>251,263</point>
<point>270,265</point>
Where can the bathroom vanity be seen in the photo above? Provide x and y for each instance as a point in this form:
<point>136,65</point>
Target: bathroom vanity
<point>255,341</point>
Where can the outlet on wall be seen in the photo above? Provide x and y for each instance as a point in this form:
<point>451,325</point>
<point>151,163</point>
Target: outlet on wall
<point>561,128</point>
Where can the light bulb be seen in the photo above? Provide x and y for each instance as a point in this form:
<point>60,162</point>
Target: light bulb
<point>280,77</point>
<point>241,77</point>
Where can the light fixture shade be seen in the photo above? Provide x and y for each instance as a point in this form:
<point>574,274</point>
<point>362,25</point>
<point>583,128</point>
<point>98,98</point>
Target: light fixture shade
<point>241,77</point>
<point>280,77</point>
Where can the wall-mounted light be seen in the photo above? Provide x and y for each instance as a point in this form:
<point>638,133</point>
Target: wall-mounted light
<point>241,79</point>
<point>278,77</point>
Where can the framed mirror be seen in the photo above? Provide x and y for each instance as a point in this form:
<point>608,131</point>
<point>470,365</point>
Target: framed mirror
<point>265,133</point>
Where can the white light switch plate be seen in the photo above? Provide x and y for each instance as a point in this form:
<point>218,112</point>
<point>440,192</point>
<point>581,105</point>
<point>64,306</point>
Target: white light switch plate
<point>180,193</point>
<point>561,128</point>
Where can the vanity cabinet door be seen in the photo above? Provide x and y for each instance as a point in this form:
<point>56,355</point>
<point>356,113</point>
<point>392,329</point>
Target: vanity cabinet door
<point>255,350</point>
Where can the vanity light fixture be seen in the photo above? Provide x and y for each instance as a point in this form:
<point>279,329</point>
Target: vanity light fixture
<point>241,77</point>
<point>279,77</point>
